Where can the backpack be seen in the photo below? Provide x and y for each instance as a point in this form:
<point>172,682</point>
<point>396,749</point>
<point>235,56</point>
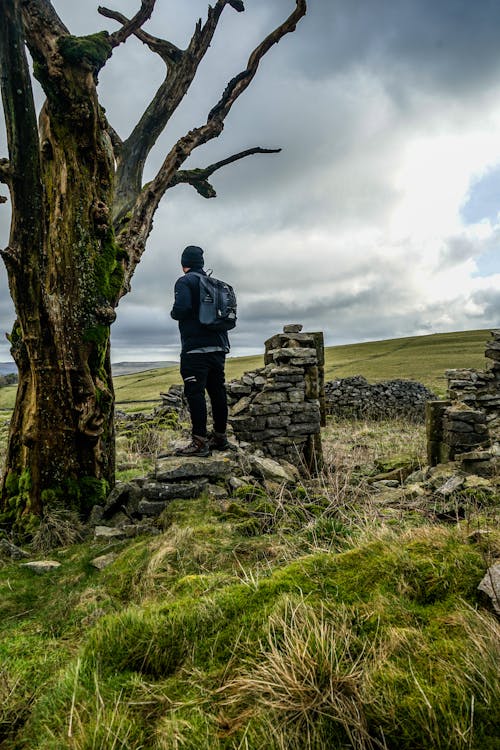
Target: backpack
<point>217,304</point>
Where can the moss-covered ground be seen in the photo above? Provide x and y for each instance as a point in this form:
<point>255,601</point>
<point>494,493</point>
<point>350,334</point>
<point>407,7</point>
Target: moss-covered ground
<point>313,617</point>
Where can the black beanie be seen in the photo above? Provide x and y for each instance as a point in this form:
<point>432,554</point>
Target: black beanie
<point>192,257</point>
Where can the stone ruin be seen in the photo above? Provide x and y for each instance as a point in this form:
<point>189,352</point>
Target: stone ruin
<point>280,407</point>
<point>356,398</point>
<point>465,427</point>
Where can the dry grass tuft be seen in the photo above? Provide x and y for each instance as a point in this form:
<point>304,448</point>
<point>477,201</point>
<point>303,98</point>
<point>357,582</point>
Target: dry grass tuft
<point>308,672</point>
<point>57,528</point>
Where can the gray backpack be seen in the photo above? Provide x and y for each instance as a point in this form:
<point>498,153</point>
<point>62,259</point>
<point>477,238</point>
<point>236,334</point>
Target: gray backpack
<point>217,304</point>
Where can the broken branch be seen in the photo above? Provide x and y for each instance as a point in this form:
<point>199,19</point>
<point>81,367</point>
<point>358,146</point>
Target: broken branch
<point>130,27</point>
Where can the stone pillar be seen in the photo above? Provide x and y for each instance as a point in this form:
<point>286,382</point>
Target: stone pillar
<point>278,408</point>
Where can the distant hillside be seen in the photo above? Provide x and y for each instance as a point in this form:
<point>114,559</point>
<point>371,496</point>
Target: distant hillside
<point>421,358</point>
<point>129,368</point>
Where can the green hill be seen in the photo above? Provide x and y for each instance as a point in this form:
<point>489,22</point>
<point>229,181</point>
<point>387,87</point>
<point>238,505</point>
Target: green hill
<point>422,358</point>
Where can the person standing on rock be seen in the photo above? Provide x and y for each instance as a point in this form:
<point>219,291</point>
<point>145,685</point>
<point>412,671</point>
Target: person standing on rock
<point>203,356</point>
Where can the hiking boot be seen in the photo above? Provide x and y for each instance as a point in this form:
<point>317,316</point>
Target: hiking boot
<point>197,447</point>
<point>218,442</point>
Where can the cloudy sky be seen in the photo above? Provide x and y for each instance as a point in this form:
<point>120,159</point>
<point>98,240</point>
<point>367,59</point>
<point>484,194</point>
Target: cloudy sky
<point>380,217</point>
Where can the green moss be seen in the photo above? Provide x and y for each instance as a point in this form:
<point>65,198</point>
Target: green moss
<point>97,334</point>
<point>92,50</point>
<point>12,483</point>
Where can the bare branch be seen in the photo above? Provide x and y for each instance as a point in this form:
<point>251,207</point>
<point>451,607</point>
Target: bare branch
<point>135,23</point>
<point>198,178</point>
<point>134,233</point>
<point>167,51</point>
<point>181,70</point>
<point>241,82</point>
<point>116,141</point>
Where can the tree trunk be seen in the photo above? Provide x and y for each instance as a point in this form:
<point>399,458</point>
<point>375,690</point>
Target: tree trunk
<point>64,279</point>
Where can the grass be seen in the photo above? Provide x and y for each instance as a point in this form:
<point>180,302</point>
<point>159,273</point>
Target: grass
<point>319,616</point>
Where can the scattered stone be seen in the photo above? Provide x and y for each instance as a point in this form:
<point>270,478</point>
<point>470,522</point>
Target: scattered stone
<point>453,484</point>
<point>10,550</point>
<point>103,561</point>
<point>108,532</point>
<point>42,566</point>
<point>124,497</point>
<point>216,492</point>
<point>151,508</point>
<point>490,585</point>
<point>269,469</point>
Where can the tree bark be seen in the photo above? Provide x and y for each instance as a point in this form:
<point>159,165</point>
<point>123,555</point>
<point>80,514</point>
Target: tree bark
<point>65,273</point>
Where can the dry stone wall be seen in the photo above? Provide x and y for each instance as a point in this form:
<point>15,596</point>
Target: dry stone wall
<point>355,397</point>
<point>466,427</point>
<point>280,408</point>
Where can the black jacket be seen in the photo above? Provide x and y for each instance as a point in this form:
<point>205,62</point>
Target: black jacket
<point>186,308</point>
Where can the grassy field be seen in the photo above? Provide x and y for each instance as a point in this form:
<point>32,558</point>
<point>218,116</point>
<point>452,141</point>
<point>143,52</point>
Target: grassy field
<point>325,615</point>
<point>422,358</point>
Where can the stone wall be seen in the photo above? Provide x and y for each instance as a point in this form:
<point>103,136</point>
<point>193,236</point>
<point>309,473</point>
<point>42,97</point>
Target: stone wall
<point>355,398</point>
<point>466,427</point>
<point>279,408</point>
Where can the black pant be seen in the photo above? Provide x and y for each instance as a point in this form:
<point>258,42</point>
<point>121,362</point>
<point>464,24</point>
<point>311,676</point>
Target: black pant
<point>202,372</point>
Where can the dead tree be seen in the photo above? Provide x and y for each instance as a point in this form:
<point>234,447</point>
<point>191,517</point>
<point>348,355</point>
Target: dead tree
<point>81,217</point>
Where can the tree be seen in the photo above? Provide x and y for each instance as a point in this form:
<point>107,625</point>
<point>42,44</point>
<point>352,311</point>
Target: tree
<point>81,217</point>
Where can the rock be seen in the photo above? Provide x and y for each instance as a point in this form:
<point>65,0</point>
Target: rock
<point>420,475</point>
<point>10,550</point>
<point>293,328</point>
<point>42,566</point>
<point>108,532</point>
<point>103,561</point>
<point>490,585</point>
<point>241,405</point>
<point>269,469</point>
<point>125,497</point>
<point>453,484</point>
<point>151,508</point>
<point>386,484</point>
<point>177,467</point>
<point>216,492</point>
<point>163,491</point>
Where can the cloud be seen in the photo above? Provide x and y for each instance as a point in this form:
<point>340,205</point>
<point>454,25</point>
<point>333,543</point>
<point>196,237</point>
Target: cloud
<point>379,217</point>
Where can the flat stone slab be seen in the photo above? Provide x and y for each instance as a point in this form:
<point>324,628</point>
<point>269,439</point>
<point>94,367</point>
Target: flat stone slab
<point>108,532</point>
<point>103,561</point>
<point>152,508</point>
<point>269,469</point>
<point>42,566</point>
<point>163,490</point>
<point>178,467</point>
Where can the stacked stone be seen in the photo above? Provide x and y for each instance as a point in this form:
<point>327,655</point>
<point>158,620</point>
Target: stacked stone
<point>466,428</point>
<point>278,407</point>
<point>354,397</point>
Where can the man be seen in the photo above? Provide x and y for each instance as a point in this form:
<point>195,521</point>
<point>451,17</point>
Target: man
<point>203,356</point>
